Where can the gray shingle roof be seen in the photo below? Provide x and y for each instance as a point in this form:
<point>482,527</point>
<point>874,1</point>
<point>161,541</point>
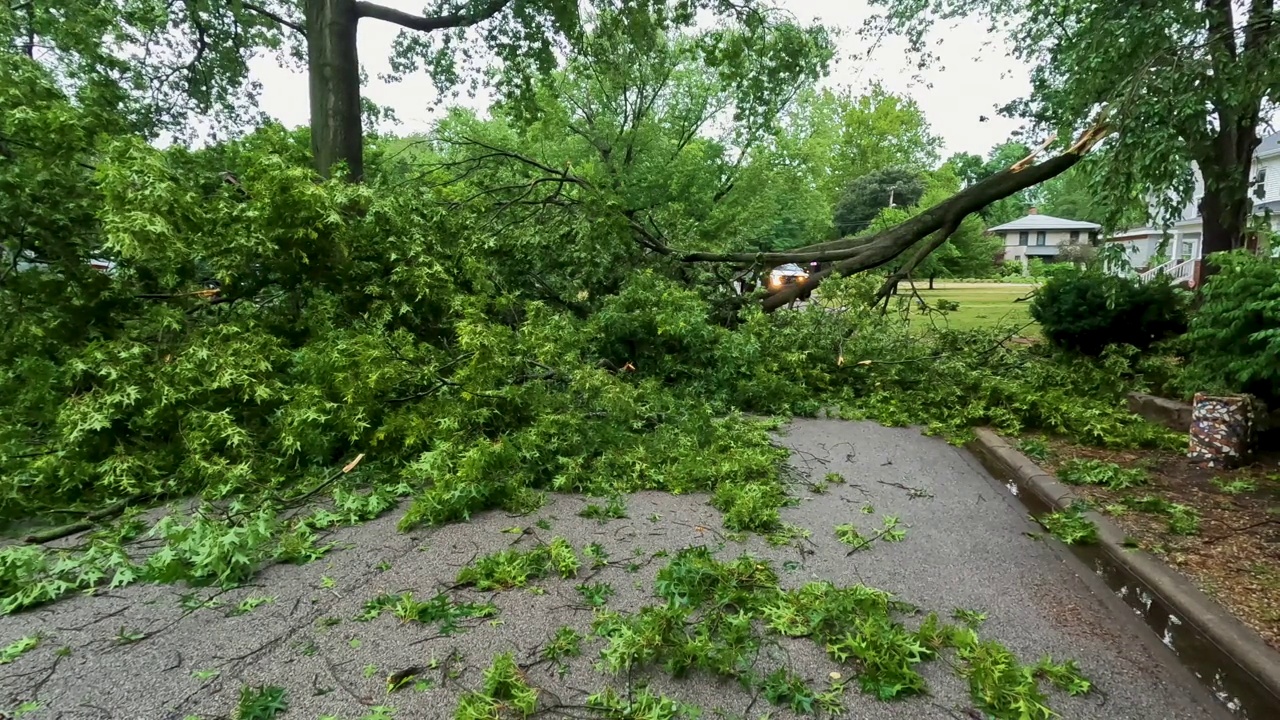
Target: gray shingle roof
<point>1269,145</point>
<point>1045,222</point>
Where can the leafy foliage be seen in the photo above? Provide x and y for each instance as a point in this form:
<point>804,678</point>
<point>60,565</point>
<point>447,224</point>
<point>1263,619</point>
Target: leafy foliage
<point>1077,471</point>
<point>1035,448</point>
<point>785,689</point>
<point>1181,519</point>
<point>1070,525</point>
<point>505,691</point>
<point>595,594</point>
<point>515,568</point>
<point>439,609</point>
<point>891,532</point>
<point>615,508</point>
<point>868,195</point>
<point>1087,311</point>
<point>565,644</point>
<point>640,705</point>
<point>18,648</point>
<point>856,624</point>
<point>277,356</point>
<point>1166,76</point>
<point>1233,341</point>
<point>261,703</point>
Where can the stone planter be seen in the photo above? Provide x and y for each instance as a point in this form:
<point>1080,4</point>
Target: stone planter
<point>1222,429</point>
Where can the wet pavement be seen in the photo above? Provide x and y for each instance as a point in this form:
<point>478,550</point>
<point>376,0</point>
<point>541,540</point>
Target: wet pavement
<point>149,652</point>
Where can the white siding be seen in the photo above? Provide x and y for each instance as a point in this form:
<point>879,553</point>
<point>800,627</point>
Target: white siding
<point>1191,211</point>
<point>1272,184</point>
<point>1141,249</point>
<point>1014,250</point>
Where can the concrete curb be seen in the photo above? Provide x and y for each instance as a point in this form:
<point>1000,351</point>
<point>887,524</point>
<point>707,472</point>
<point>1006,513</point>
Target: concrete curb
<point>1235,639</point>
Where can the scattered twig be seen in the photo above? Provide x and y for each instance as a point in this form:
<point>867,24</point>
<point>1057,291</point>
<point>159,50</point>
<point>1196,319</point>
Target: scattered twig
<point>90,520</point>
<point>912,492</point>
<point>1237,531</point>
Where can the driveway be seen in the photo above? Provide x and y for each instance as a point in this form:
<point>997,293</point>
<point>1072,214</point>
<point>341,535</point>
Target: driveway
<point>161,652</point>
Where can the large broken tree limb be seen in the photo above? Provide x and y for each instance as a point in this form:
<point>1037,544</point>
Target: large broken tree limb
<point>850,255</point>
<point>921,253</point>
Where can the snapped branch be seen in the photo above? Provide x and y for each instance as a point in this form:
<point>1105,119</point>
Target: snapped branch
<point>921,253</point>
<point>473,16</point>
<point>850,255</point>
<point>280,19</point>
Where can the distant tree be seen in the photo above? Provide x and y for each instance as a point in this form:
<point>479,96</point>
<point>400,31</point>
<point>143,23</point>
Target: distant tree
<point>968,167</point>
<point>972,169</point>
<point>969,252</point>
<point>868,195</point>
<point>1184,81</point>
<point>1077,195</point>
<point>841,136</point>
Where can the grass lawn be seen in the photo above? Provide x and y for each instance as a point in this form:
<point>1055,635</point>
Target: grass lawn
<point>981,305</point>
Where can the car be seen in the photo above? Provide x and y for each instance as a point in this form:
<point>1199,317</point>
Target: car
<point>785,275</point>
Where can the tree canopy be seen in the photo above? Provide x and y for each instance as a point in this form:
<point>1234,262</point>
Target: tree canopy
<point>1184,82</point>
<point>547,296</point>
<point>868,195</point>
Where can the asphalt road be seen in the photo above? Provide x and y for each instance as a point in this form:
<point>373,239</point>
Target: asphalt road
<point>967,545</point>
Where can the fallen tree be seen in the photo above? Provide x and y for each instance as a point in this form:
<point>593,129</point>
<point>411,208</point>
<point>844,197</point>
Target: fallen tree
<point>851,255</point>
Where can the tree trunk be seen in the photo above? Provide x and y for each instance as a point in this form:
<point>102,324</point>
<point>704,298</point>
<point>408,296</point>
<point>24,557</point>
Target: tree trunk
<point>334,65</point>
<point>1223,225</point>
<point>930,282</point>
<point>1226,169</point>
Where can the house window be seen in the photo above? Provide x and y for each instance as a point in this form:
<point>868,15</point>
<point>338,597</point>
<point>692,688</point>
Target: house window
<point>1040,237</point>
<point>1075,236</point>
<point>1022,237</point>
<point>1187,246</point>
<point>1093,236</point>
<point>1260,184</point>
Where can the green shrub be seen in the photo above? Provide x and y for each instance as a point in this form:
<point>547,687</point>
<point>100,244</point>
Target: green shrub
<point>1058,270</point>
<point>1010,269</point>
<point>1085,311</point>
<point>1233,342</point>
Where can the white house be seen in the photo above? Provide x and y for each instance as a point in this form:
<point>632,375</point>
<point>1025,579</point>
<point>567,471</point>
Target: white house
<point>1042,236</point>
<point>1183,250</point>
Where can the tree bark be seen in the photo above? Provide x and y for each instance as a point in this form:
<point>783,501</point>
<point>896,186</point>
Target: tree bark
<point>1226,161</point>
<point>1225,208</point>
<point>334,64</point>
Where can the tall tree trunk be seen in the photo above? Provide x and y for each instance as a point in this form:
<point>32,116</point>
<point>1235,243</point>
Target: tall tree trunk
<point>1226,205</point>
<point>334,65</point>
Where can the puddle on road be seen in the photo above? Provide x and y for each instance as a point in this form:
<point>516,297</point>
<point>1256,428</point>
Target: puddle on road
<point>1236,688</point>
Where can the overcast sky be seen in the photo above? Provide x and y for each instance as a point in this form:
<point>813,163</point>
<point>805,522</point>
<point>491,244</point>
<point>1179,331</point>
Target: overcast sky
<point>974,77</point>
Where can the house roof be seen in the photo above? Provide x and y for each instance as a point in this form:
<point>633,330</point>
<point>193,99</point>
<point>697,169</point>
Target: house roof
<point>1270,145</point>
<point>1044,222</point>
<point>1134,233</point>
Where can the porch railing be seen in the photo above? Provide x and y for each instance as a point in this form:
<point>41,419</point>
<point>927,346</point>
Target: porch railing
<point>1178,271</point>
